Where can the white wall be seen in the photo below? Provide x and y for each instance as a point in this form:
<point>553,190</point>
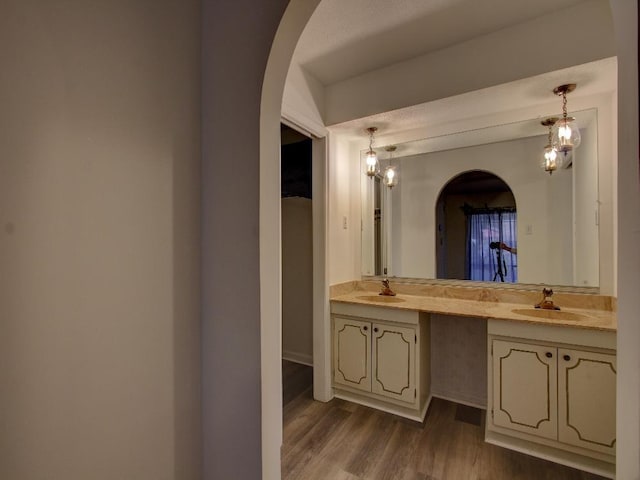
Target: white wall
<point>297,280</point>
<point>344,242</point>
<point>99,207</point>
<point>303,101</point>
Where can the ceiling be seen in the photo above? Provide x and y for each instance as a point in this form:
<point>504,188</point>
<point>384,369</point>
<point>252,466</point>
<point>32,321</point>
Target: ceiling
<point>346,38</point>
<point>491,106</point>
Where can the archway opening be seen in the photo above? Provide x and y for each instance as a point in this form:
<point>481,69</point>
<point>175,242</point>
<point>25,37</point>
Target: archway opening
<point>476,235</point>
<point>274,79</point>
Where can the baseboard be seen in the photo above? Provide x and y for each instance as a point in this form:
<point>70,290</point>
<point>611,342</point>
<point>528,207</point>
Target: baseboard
<point>296,357</point>
<point>409,413</point>
<point>556,455</point>
<point>468,402</point>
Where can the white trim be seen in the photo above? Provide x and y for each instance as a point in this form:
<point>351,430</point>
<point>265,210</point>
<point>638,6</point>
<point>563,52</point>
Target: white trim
<point>556,455</point>
<point>405,412</point>
<point>302,124</point>
<point>292,24</point>
<point>322,390</point>
<point>457,400</point>
<point>297,357</point>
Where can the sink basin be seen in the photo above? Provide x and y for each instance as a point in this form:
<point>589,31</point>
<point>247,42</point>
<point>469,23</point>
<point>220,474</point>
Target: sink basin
<point>550,314</point>
<point>381,299</point>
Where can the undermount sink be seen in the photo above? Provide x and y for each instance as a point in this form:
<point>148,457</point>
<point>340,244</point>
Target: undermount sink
<point>381,298</point>
<point>550,314</point>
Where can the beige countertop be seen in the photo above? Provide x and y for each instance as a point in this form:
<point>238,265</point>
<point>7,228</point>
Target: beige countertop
<point>449,303</point>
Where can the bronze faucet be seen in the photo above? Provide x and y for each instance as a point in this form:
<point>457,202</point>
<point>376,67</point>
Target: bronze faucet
<point>546,303</point>
<point>386,289</point>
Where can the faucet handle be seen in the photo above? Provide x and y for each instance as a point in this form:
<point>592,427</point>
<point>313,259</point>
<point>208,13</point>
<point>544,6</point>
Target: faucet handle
<point>546,302</point>
<point>386,288</point>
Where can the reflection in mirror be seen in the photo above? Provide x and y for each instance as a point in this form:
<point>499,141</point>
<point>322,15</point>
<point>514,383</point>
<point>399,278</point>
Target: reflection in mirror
<point>377,197</point>
<point>556,228</point>
<point>476,237</point>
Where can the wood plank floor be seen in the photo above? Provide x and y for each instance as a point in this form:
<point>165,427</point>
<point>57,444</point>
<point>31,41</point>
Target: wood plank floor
<point>339,440</point>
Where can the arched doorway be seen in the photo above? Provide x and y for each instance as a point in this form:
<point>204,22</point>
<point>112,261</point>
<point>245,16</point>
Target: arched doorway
<point>294,19</point>
<point>476,229</point>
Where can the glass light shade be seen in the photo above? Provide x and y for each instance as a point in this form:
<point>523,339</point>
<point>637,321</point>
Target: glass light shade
<point>551,161</point>
<point>566,135</point>
<point>390,177</point>
<point>373,167</point>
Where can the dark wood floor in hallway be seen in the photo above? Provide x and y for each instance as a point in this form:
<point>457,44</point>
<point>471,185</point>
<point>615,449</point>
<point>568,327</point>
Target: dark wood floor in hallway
<point>339,440</point>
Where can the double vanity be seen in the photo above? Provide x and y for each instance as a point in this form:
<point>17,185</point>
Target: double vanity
<point>551,374</point>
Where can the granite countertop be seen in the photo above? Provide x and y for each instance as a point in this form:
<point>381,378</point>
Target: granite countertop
<point>478,303</point>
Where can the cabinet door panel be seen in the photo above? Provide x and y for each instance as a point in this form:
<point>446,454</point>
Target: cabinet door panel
<point>587,399</point>
<point>351,354</point>
<point>394,362</point>
<point>525,388</point>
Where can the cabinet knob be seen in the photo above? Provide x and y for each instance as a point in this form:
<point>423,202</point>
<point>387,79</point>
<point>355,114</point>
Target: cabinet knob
<point>365,328</point>
<point>375,329</point>
<point>567,357</point>
<point>549,354</point>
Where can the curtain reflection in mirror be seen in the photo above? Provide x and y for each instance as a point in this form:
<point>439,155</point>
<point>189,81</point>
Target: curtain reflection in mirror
<point>491,244</point>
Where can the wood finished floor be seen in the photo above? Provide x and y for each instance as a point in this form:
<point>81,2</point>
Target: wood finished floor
<point>339,440</point>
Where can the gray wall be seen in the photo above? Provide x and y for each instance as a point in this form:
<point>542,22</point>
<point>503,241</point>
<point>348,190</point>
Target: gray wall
<point>297,280</point>
<point>459,359</point>
<point>99,263</point>
<point>237,37</point>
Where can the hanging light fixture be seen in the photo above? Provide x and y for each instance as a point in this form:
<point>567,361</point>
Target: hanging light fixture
<point>566,134</point>
<point>550,157</point>
<point>373,167</point>
<point>390,173</point>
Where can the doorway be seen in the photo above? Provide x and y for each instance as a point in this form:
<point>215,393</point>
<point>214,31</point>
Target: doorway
<point>476,229</point>
<point>297,246</point>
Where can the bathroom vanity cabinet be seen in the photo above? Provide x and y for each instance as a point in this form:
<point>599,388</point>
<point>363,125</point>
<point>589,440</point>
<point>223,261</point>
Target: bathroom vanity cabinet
<point>552,393</point>
<point>551,375</point>
<point>381,358</point>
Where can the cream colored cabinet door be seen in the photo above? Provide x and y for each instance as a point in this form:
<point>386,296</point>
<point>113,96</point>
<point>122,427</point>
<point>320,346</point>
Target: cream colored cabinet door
<point>352,353</point>
<point>394,357</point>
<point>525,388</point>
<point>587,399</point>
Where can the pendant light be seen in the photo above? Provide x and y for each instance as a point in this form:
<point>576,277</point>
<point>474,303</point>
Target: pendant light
<point>373,167</point>
<point>566,135</point>
<point>550,158</point>
<point>390,173</point>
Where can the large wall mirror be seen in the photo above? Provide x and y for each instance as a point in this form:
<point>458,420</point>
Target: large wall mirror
<point>427,226</point>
